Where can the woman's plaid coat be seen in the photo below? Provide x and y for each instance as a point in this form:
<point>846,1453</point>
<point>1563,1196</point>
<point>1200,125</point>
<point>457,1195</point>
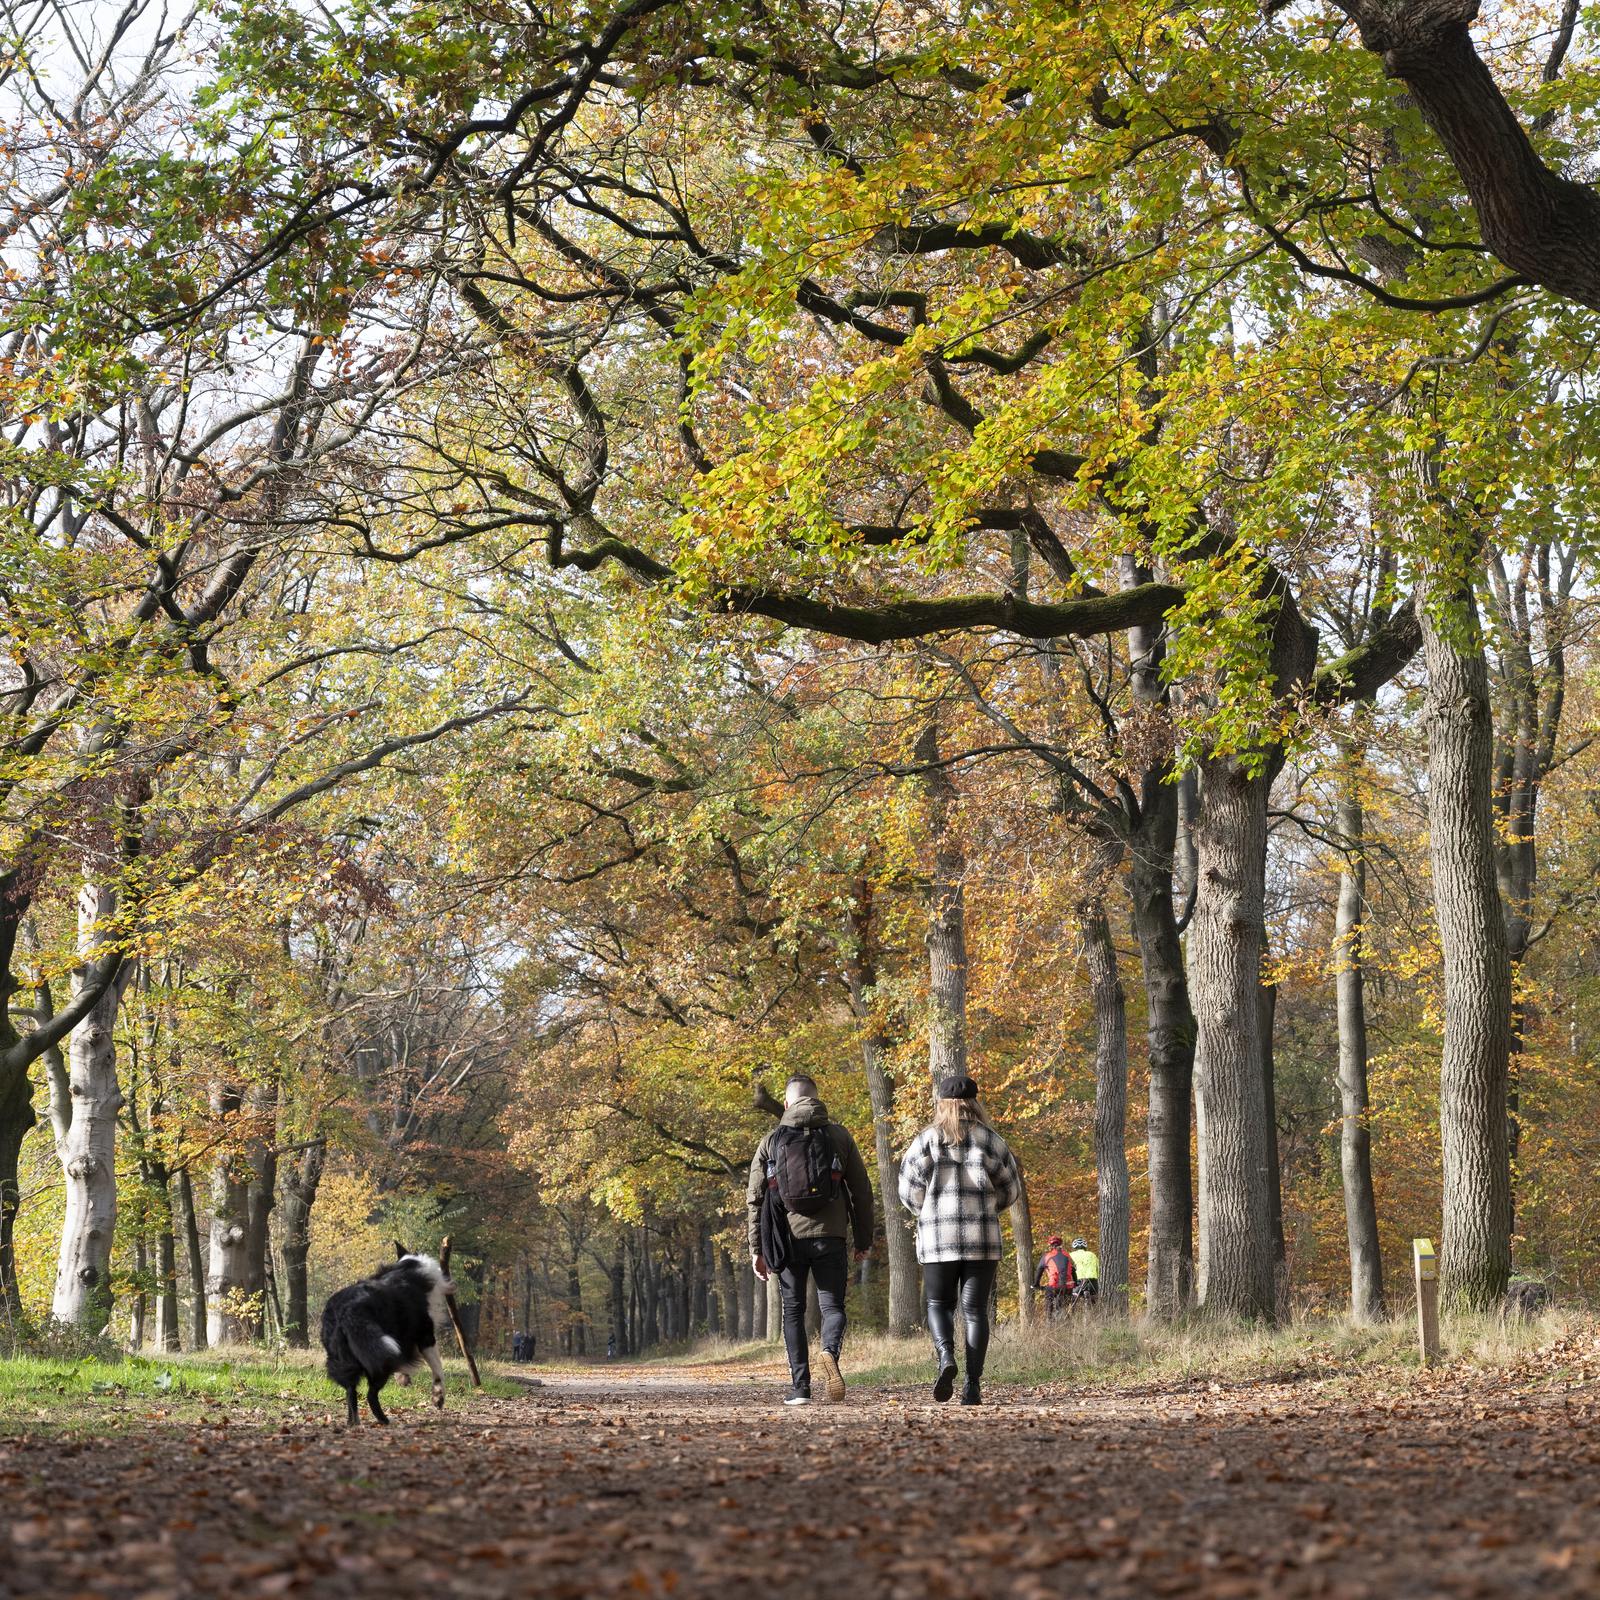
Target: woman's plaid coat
<point>957,1192</point>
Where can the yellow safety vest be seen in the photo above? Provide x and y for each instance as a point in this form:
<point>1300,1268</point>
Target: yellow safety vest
<point>1086,1264</point>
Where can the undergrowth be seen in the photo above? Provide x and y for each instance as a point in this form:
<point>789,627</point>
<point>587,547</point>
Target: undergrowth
<point>1097,1351</point>
<point>96,1391</point>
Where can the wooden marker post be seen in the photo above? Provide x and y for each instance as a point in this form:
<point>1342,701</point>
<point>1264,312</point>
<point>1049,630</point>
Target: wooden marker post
<point>1427,1272</point>
<point>455,1314</point>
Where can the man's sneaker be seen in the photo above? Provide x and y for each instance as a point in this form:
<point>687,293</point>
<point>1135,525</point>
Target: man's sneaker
<point>832,1377</point>
<point>797,1396</point>
<point>945,1384</point>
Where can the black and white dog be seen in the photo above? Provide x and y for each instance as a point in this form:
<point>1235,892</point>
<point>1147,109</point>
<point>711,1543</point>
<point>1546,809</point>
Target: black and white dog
<point>385,1325</point>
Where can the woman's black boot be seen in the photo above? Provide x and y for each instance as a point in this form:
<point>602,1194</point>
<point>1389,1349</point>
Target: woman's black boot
<point>942,1325</point>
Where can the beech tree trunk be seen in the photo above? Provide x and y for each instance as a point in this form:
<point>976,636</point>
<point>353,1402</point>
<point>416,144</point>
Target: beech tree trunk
<point>84,1101</point>
<point>747,1300</point>
<point>167,1314</point>
<point>773,1300</point>
<point>575,1318</point>
<point>1153,843</point>
<point>619,1303</point>
<point>861,977</point>
<point>16,1118</point>
<point>300,1183</point>
<point>1022,1241</point>
<point>727,1297</point>
<point>261,1193</point>
<point>947,931</point>
<point>1475,1258</point>
<point>229,1319</point>
<point>190,1223</point>
<point>141,1299</point>
<point>1267,994</point>
<point>1355,1135</point>
<point>1237,1276</point>
<point>1532,617</point>
<point>1110,1104</point>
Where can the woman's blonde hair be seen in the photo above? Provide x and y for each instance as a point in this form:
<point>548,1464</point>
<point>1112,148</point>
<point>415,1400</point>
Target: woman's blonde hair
<point>954,1117</point>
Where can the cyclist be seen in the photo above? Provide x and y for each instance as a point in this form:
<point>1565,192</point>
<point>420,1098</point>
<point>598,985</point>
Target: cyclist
<point>1085,1271</point>
<point>1056,1277</point>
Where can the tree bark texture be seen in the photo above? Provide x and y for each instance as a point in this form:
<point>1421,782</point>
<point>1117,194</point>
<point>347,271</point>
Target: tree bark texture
<point>190,1222</point>
<point>85,1125</point>
<point>1237,1268</point>
<point>1267,994</point>
<point>168,1332</point>
<point>861,977</point>
<point>1355,1134</point>
<point>261,1194</point>
<point>619,1302</point>
<point>228,1318</point>
<point>947,932</point>
<point>300,1182</point>
<point>16,1119</point>
<point>1110,1104</point>
<point>1475,1259</point>
<point>1170,1036</point>
<point>1022,1242</point>
<point>1153,848</point>
<point>1542,225</point>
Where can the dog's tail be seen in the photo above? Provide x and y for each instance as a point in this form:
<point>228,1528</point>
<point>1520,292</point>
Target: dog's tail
<point>365,1347</point>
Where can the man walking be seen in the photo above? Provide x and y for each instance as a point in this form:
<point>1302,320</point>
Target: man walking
<point>811,1169</point>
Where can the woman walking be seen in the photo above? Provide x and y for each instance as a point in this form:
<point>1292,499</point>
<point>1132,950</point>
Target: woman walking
<point>956,1179</point>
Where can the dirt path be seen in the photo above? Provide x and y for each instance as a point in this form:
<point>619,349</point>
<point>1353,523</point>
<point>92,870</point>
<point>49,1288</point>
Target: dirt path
<point>699,1484</point>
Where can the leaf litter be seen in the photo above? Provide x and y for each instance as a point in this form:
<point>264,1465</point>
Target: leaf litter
<point>1452,1483</point>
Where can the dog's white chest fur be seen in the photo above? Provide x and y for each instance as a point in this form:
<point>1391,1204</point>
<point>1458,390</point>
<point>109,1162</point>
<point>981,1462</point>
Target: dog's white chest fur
<point>438,1286</point>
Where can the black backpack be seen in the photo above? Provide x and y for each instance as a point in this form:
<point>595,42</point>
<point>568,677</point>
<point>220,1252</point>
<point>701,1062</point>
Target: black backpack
<point>804,1168</point>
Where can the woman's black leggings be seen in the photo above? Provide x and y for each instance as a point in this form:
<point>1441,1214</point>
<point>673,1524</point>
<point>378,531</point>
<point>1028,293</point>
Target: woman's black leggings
<point>973,1282</point>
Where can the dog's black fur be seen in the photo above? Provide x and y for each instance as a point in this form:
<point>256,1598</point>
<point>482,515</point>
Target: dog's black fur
<point>385,1325</point>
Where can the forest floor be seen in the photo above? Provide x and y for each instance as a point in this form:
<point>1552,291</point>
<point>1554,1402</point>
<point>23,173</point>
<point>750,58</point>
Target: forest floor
<point>690,1479</point>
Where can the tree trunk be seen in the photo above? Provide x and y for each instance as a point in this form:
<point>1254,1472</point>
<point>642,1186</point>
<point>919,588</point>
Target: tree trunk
<point>16,1119</point>
<point>727,1297</point>
<point>1532,619</point>
<point>861,977</point>
<point>1475,1260</point>
<point>300,1183</point>
<point>947,932</point>
<point>167,1318</point>
<point>140,1301</point>
<point>1171,1032</point>
<point>747,1300</point>
<point>1267,995</point>
<point>84,1103</point>
<point>1237,1275</point>
<point>1021,1215</point>
<point>1153,841</point>
<point>1110,1104</point>
<point>229,1319</point>
<point>261,1195</point>
<point>575,1307</point>
<point>1355,1134</point>
<point>190,1222</point>
<point>619,1304</point>
<point>773,1300</point>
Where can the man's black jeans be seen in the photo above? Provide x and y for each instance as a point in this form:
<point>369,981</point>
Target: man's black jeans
<point>828,1260</point>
